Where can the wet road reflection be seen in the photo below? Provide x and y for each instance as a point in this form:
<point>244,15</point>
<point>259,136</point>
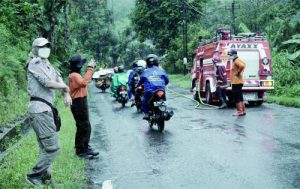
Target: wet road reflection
<point>198,149</point>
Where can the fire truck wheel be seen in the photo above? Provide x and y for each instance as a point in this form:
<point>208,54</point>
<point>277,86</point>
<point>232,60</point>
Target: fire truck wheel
<point>208,95</point>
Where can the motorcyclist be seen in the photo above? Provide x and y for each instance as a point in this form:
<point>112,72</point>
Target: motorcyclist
<point>119,78</point>
<point>153,78</point>
<point>137,68</point>
<point>131,88</point>
<point>112,84</point>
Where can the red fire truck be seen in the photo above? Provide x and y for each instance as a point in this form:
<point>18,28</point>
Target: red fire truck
<point>252,48</point>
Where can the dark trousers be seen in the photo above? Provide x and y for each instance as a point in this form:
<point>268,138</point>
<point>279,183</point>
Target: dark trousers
<point>194,83</point>
<point>237,93</point>
<point>146,98</point>
<point>80,112</point>
<point>221,94</point>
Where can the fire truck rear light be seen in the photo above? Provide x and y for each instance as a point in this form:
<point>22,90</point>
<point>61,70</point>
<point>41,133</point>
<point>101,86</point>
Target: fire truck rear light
<point>266,83</point>
<point>265,61</point>
<point>160,93</point>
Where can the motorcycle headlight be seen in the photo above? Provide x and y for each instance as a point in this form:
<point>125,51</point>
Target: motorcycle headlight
<point>162,108</point>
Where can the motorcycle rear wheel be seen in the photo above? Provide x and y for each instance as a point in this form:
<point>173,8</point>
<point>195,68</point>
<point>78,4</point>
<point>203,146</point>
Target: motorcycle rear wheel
<point>151,123</point>
<point>161,125</point>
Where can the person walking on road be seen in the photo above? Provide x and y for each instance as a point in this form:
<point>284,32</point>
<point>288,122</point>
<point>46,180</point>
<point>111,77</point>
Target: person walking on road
<point>43,80</point>
<point>78,89</point>
<point>237,82</point>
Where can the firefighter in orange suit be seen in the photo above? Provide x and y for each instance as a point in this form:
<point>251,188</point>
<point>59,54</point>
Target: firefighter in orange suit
<point>237,82</point>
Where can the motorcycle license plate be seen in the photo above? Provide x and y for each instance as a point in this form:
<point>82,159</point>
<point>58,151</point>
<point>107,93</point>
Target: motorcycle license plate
<point>123,92</point>
<point>156,104</point>
<point>250,96</point>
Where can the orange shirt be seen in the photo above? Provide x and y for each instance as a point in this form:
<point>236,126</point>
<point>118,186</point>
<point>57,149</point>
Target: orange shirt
<point>78,85</point>
<point>238,66</point>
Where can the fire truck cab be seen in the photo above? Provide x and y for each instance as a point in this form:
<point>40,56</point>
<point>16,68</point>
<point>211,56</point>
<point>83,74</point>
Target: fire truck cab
<point>251,48</point>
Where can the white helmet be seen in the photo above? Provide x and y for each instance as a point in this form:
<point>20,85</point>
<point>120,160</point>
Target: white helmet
<point>141,63</point>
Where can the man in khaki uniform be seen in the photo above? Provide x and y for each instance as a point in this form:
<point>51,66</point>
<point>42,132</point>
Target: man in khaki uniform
<point>237,82</point>
<point>43,79</point>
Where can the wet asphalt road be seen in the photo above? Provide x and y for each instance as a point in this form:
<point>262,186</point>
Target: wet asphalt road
<point>198,149</point>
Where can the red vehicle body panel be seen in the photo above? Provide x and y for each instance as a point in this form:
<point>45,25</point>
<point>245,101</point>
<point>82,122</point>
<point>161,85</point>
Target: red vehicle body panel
<point>254,51</point>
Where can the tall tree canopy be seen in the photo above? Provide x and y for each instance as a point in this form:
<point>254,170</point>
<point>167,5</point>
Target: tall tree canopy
<point>161,21</point>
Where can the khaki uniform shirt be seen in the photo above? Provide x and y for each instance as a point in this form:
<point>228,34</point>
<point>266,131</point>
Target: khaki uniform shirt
<point>38,74</point>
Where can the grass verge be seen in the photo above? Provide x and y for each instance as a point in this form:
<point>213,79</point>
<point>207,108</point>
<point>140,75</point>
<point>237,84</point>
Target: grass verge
<point>284,100</point>
<point>68,170</point>
<point>185,82</point>
<point>181,80</point>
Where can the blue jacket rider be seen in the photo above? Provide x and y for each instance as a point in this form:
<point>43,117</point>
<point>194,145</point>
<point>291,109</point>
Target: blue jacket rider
<point>153,78</point>
<point>130,77</point>
<point>137,68</point>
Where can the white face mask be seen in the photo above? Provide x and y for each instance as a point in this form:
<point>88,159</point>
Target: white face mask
<point>233,57</point>
<point>44,52</point>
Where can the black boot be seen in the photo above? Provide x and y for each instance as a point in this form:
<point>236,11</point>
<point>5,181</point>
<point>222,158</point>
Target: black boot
<point>91,151</point>
<point>146,117</point>
<point>223,105</point>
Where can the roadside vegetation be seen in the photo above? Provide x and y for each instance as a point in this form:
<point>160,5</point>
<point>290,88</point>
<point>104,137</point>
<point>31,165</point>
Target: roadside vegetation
<point>68,169</point>
<point>71,24</point>
<point>181,80</point>
<point>99,29</point>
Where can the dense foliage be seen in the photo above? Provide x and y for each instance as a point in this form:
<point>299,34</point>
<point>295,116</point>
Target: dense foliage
<point>279,20</point>
<point>102,29</point>
<point>21,22</point>
<point>71,27</point>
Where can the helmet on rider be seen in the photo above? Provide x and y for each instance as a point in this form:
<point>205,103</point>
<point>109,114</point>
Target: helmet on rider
<point>116,69</point>
<point>134,64</point>
<point>141,63</point>
<point>152,60</point>
<point>120,69</point>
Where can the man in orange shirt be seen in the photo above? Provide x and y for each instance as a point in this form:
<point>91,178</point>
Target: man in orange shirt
<point>78,90</point>
<point>237,82</point>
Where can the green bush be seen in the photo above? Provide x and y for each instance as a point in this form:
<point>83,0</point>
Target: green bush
<point>13,98</point>
<point>285,75</point>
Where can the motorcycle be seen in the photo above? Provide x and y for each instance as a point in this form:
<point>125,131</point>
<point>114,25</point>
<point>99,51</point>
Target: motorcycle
<point>139,92</point>
<point>103,82</point>
<point>122,95</point>
<point>158,113</point>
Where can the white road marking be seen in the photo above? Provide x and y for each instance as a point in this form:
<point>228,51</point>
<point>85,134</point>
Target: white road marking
<point>107,184</point>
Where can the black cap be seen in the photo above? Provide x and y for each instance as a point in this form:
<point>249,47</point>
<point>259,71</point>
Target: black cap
<point>232,52</point>
<point>76,62</point>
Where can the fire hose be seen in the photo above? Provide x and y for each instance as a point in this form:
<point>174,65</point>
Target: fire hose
<point>200,102</point>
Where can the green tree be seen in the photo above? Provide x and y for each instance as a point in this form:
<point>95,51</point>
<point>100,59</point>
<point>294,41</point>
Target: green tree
<point>161,21</point>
